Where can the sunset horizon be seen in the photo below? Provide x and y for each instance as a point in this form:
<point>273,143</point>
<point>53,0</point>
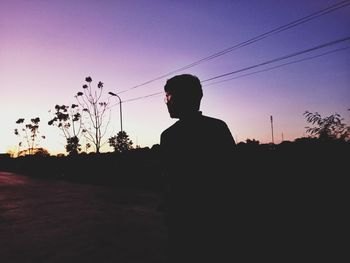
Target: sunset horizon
<point>255,60</point>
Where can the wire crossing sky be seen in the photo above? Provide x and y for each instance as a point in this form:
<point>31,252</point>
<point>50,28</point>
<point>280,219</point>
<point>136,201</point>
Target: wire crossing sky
<point>265,63</point>
<point>280,58</point>
<point>279,29</point>
<point>299,48</point>
<point>280,65</point>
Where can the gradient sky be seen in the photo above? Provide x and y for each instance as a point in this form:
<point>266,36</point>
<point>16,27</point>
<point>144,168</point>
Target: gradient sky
<point>47,48</point>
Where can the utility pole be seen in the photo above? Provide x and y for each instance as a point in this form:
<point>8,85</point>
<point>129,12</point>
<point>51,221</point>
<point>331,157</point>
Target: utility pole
<point>273,142</point>
<point>120,109</point>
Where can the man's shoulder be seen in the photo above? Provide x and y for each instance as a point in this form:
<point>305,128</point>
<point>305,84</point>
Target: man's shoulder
<point>170,129</point>
<point>214,121</point>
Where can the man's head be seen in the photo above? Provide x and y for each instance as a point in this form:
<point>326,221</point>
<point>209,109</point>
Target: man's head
<point>183,95</point>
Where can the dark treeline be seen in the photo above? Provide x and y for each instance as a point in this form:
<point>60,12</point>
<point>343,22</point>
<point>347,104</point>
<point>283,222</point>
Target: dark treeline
<point>138,167</point>
<point>302,159</point>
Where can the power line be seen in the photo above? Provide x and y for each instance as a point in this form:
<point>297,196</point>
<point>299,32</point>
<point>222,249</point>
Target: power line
<point>263,64</point>
<point>280,58</point>
<point>144,97</point>
<point>279,29</point>
<point>279,66</point>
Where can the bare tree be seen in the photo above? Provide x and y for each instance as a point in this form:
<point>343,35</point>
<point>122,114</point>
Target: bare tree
<point>29,132</point>
<point>97,112</point>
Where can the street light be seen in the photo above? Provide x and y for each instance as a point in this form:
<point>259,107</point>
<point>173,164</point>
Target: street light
<point>120,109</point>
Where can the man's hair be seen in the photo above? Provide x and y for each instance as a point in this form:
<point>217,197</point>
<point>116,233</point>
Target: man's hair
<point>185,88</point>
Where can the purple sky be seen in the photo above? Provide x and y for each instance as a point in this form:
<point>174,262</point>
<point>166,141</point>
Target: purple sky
<point>47,48</point>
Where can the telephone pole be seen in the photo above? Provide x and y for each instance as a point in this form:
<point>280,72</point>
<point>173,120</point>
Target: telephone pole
<point>271,119</point>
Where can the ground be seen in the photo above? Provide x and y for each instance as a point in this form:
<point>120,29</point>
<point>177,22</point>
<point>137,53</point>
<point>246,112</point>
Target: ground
<point>56,221</point>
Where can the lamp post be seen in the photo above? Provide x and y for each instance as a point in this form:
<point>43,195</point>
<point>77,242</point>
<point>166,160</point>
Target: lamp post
<point>120,109</point>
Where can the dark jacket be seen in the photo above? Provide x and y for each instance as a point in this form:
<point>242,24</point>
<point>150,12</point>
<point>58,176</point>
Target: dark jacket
<point>197,154</point>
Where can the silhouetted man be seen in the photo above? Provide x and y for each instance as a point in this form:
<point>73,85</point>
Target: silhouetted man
<point>197,157</point>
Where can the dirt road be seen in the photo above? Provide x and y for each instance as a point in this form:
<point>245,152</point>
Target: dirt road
<point>57,221</point>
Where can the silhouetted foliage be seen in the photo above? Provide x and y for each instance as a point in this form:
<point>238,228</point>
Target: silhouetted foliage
<point>252,142</point>
<point>29,133</point>
<point>73,146</point>
<point>35,151</point>
<point>121,143</point>
<point>68,120</point>
<point>327,128</point>
<point>41,152</point>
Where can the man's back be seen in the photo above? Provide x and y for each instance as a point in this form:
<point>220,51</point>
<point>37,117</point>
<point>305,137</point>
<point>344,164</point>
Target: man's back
<point>196,149</point>
<point>197,136</point>
<point>197,153</point>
